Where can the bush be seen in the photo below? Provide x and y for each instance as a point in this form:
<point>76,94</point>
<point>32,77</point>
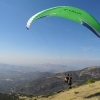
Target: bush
<point>90,81</point>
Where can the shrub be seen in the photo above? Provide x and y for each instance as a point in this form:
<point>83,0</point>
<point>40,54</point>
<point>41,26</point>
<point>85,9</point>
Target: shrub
<point>90,81</point>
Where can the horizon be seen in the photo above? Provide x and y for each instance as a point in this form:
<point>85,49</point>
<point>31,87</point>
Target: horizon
<point>50,66</point>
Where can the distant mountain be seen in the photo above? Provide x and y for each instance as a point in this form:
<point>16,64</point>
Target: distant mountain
<point>11,75</point>
<point>9,80</point>
<point>52,67</point>
<point>55,68</point>
<point>8,67</point>
<point>56,82</point>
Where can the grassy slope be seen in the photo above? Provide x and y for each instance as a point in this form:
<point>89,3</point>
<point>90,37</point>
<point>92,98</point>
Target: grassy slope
<point>85,92</point>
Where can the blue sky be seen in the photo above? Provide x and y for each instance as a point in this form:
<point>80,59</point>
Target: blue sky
<point>49,40</point>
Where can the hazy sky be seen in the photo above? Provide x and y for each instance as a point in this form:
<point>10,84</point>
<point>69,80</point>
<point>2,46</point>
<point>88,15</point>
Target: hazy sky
<point>49,40</point>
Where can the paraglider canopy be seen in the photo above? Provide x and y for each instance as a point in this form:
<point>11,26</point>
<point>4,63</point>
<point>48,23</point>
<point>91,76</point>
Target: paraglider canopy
<point>71,13</point>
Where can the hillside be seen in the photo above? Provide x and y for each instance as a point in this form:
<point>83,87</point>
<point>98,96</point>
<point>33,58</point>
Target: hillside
<point>54,83</point>
<point>85,92</point>
<point>9,79</point>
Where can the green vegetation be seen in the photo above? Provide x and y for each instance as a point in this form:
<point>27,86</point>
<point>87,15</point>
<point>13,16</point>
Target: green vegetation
<point>90,81</point>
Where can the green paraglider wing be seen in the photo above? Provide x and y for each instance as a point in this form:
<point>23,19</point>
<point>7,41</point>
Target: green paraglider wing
<point>71,13</point>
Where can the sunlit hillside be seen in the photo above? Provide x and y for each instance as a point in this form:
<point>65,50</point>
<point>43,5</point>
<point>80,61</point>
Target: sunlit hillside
<point>85,92</point>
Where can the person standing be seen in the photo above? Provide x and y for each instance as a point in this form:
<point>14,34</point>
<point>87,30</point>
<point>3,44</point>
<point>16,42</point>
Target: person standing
<point>68,80</point>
